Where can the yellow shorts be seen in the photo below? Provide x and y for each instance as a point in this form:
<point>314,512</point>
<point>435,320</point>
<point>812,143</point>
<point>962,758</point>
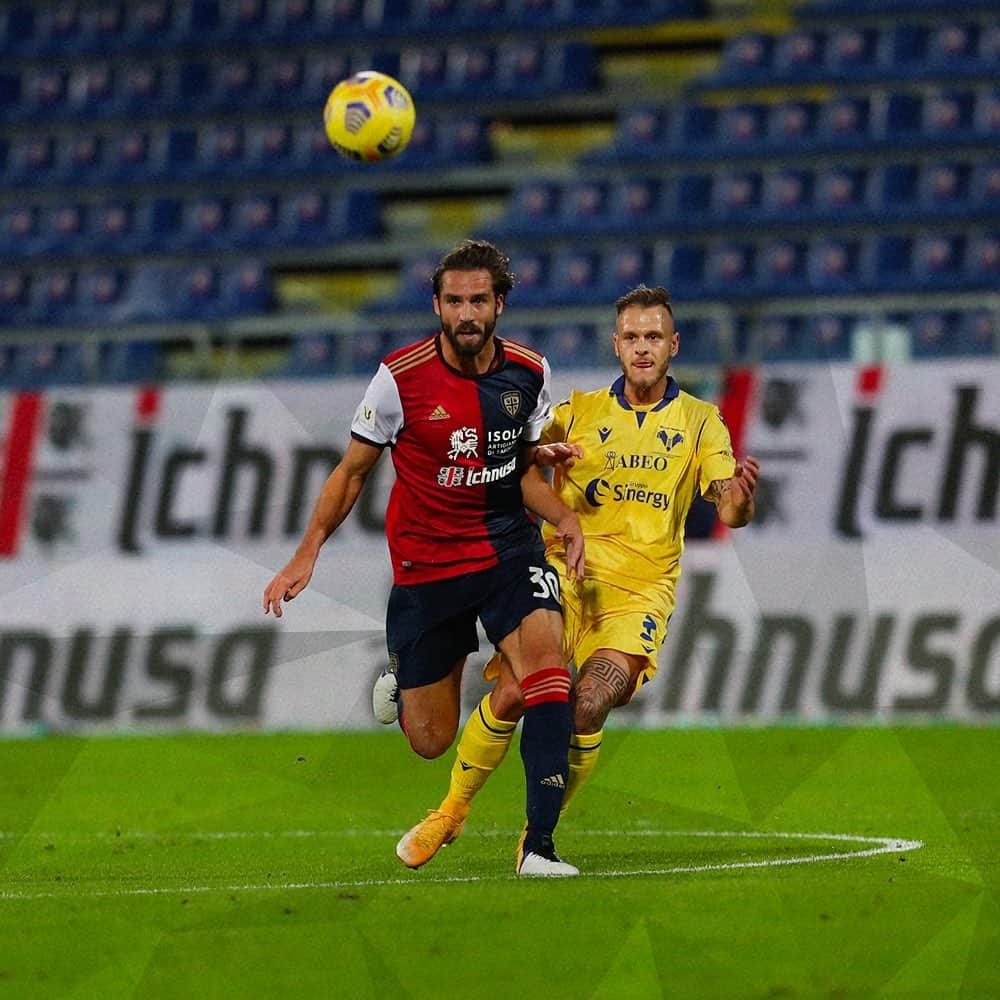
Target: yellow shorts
<point>604,616</point>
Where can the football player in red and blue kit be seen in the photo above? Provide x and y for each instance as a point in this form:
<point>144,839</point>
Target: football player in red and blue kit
<point>462,412</point>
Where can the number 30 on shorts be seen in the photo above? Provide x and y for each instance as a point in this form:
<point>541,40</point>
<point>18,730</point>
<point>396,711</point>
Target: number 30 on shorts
<point>546,582</point>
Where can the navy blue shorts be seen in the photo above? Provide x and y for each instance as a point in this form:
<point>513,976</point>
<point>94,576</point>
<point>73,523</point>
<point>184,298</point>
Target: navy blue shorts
<point>431,626</point>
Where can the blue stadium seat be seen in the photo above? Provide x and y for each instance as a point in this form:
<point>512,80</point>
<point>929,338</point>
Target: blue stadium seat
<point>91,91</point>
<point>792,124</point>
<point>205,224</point>
<point>284,82</point>
<point>82,159</point>
<point>103,296</point>
<point>575,276</point>
<point>978,332</point>
<point>636,204</point>
<point>984,186</point>
<point>255,221</point>
<point>59,28</point>
<point>623,268</point>
<point>700,342</point>
<point>829,337</point>
<point>741,125</point>
<point>31,160</point>
<point>746,59</point>
<point>17,28</point>
<point>312,152</point>
<point>366,350</point>
<point>106,26</point>
<point>269,149</point>
<point>245,21</point>
<point>729,269</point>
<point>986,114</point>
<point>65,228</point>
<point>20,230</point>
<point>780,338</point>
<point>953,48</point>
<point>15,297</point>
<point>247,288</point>
<point>845,122</point>
<point>531,269</point>
<point>982,263</point>
<point>736,194</point>
<point>195,293</point>
<point>571,345</point>
<point>40,365</point>
<point>781,267</point>
<point>799,55</point>
<point>943,189</point>
<point>681,269</point>
<point>834,264</point>
<point>691,198</point>
<point>315,355</point>
<point>526,336</point>
<point>220,150</point>
<point>294,20</point>
<point>842,192</point>
<point>130,361</point>
<point>464,138</point>
<point>44,93</point>
<point>415,287</point>
<point>583,206</point>
<point>54,297</point>
<point>895,194</point>
<point>233,84</point>
<point>150,294</point>
<point>852,53</point>
<point>934,333</point>
<point>135,155</point>
<point>307,219</point>
<point>471,71</point>
<point>534,207</point>
<point>642,133</point>
<point>938,261</point>
<point>891,262</point>
<point>787,194</point>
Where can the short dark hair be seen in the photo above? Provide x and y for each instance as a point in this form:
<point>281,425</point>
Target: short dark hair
<point>642,295</point>
<point>477,255</point>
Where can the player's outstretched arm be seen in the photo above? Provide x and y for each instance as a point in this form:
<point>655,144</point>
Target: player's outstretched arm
<point>337,498</point>
<point>542,501</point>
<point>558,453</point>
<point>733,497</point>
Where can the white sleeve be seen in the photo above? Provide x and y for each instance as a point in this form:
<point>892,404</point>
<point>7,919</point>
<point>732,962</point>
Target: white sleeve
<point>379,416</point>
<point>542,413</point>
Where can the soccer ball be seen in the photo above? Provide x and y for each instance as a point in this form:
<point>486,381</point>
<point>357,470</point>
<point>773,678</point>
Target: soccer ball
<point>369,117</point>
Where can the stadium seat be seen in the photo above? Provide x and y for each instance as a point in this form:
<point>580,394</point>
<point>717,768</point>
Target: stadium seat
<point>531,270</point>
<point>195,293</point>
<point>130,361</point>
<point>736,194</point>
<point>415,285</point>
<point>841,192</point>
<point>681,269</point>
<point>583,206</point>
<point>729,269</point>
<point>984,186</point>
<point>17,28</point>
<point>82,159</point>
<point>829,337</point>
<point>40,365</point>
<point>937,261</point>
<point>575,276</point>
<point>54,298</point>
<point>852,53</point>
<point>834,264</point>
<point>787,193</point>
<point>220,150</point>
<point>982,264</point>
<point>269,149</point>
<point>746,59</point>
<point>986,115</point>
<point>623,268</point>
<point>700,342</point>
<point>315,355</point>
<point>953,49</point>
<point>312,152</point>
<point>798,55</point>
<point>780,338</point>
<point>533,208</point>
<point>255,221</point>
<point>781,267</point>
<point>147,88</point>
<point>571,345</point>
<point>91,91</point>
<point>741,125</point>
<point>943,189</point>
<point>366,349</point>
<point>15,297</point>
<point>31,160</point>
<point>978,333</point>
<point>791,124</point>
<point>233,84</point>
<point>103,296</point>
<point>636,204</point>
<point>284,82</point>
<point>134,156</point>
<point>64,229</point>
<point>44,93</point>
<point>245,21</point>
<point>844,122</point>
<point>20,230</point>
<point>246,288</point>
<point>895,191</point>
<point>934,333</point>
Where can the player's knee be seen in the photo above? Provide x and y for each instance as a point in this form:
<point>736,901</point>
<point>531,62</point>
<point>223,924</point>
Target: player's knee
<point>507,701</point>
<point>429,742</point>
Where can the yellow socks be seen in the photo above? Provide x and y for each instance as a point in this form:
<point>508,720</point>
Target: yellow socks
<point>483,745</point>
<point>583,753</point>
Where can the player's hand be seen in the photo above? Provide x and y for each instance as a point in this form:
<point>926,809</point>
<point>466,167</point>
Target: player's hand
<point>560,453</point>
<point>569,530</point>
<point>743,484</point>
<point>288,584</point>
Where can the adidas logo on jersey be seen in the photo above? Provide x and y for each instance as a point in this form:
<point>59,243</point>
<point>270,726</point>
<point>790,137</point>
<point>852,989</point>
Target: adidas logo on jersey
<point>553,781</point>
<point>439,413</point>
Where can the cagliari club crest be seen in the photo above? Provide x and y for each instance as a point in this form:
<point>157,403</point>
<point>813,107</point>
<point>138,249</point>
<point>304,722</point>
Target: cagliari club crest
<point>511,402</point>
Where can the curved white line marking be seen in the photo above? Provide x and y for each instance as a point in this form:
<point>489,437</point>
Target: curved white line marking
<point>883,845</point>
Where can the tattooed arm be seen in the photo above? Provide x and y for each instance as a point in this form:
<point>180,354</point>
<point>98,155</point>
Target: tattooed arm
<point>733,498</point>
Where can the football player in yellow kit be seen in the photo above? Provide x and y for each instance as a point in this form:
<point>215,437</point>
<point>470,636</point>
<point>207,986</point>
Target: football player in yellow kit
<point>629,460</point>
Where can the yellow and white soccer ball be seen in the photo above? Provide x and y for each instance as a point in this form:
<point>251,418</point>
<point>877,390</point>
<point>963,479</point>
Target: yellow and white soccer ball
<point>369,117</point>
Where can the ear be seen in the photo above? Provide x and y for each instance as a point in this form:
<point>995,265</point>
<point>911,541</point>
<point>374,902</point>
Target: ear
<point>500,304</point>
<point>614,344</point>
<point>437,305</point>
<point>675,345</point>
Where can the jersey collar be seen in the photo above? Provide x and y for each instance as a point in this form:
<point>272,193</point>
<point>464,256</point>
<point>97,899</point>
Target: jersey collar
<point>670,393</point>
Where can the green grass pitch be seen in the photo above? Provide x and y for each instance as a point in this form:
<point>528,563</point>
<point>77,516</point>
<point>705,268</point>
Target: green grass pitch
<point>263,866</point>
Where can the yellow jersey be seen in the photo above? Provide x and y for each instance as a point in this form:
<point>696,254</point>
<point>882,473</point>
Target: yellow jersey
<point>635,483</point>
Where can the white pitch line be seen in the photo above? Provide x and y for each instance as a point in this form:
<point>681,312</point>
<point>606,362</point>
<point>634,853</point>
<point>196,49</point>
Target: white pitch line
<point>885,845</point>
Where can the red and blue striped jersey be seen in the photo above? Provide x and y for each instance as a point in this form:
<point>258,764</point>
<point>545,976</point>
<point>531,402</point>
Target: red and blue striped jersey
<point>456,505</point>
